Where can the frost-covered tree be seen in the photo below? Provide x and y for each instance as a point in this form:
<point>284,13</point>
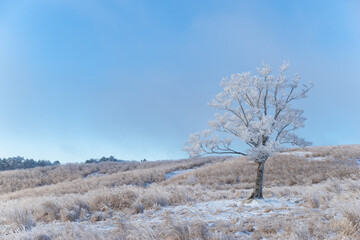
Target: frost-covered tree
<point>257,110</point>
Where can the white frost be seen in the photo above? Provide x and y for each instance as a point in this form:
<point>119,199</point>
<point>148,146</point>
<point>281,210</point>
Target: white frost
<point>256,109</point>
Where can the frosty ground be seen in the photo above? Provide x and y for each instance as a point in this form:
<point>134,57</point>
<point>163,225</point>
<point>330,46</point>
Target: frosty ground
<point>309,194</point>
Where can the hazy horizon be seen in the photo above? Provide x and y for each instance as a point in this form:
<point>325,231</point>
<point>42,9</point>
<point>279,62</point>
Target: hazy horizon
<point>132,79</point>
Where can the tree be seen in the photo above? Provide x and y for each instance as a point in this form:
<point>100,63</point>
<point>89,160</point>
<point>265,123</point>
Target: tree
<point>257,109</point>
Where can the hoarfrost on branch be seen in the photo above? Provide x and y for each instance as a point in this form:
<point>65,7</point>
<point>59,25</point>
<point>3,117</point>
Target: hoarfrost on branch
<point>256,109</point>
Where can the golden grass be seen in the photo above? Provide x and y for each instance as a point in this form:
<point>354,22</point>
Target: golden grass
<point>136,201</point>
<point>76,178</point>
<point>15,180</point>
<point>281,170</point>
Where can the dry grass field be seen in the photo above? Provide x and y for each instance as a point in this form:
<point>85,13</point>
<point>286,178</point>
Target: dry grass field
<point>311,193</point>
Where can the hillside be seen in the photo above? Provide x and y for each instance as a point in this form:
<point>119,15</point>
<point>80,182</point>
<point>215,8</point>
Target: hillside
<point>309,193</point>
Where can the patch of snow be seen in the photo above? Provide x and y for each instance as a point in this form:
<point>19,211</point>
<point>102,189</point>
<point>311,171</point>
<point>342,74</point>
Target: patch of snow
<point>271,202</point>
<point>177,172</point>
<point>95,174</point>
<point>54,228</point>
<point>245,233</point>
<point>296,153</point>
<point>303,154</point>
<point>316,159</point>
<point>211,225</point>
<point>213,212</point>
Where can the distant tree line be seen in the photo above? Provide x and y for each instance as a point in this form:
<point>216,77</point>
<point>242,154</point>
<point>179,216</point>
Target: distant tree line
<point>104,159</point>
<point>12,163</point>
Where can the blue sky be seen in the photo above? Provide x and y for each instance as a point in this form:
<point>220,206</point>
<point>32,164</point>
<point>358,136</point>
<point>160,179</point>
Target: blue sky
<point>85,79</point>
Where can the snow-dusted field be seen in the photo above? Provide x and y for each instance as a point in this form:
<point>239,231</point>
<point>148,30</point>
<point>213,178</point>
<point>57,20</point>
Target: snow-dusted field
<point>189,199</point>
<point>305,154</point>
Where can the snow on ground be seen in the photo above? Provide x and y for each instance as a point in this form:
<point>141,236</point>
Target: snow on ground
<point>58,228</point>
<point>95,174</point>
<point>317,159</point>
<point>177,172</point>
<point>297,153</point>
<point>172,174</point>
<point>305,155</point>
<point>213,212</point>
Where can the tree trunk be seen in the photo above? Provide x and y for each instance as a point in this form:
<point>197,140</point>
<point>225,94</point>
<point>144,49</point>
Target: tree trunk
<point>257,194</point>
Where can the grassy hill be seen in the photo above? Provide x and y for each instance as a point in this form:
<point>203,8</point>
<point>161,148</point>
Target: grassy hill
<point>309,193</point>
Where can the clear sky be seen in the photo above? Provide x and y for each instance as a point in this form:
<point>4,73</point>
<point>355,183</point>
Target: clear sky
<point>86,79</point>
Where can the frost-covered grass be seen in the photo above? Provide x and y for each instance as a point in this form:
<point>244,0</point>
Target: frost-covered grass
<point>204,199</point>
<point>281,170</point>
